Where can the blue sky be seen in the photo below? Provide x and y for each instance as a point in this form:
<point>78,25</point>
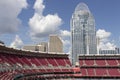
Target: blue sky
<point>105,12</point>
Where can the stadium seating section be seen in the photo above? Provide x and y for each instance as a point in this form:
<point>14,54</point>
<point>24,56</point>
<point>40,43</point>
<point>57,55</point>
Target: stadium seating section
<point>105,66</point>
<point>15,64</point>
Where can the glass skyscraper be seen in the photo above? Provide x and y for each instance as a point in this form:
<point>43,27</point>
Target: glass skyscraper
<point>83,32</point>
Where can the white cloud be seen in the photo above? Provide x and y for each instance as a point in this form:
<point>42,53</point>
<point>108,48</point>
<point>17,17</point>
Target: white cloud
<point>65,33</point>
<point>107,46</point>
<point>41,26</point>
<point>102,34</point>
<point>17,43</point>
<point>39,7</point>
<point>66,42</point>
<point>65,36</point>
<point>9,11</point>
<point>66,45</point>
<point>105,43</point>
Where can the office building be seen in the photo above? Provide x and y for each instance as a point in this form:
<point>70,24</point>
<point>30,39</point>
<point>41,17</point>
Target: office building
<point>55,44</point>
<point>83,33</point>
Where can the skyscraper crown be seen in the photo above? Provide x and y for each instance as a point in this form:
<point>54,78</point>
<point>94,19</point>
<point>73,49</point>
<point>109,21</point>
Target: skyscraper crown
<point>82,7</point>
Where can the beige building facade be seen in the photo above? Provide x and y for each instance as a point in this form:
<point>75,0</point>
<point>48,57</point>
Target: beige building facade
<point>43,47</point>
<point>29,47</point>
<point>55,44</point>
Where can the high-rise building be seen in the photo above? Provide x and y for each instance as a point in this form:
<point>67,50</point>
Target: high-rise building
<point>55,44</point>
<point>83,33</point>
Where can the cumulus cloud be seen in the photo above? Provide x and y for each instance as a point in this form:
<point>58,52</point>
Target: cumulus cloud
<point>103,35</point>
<point>107,46</point>
<point>17,42</point>
<point>65,34</point>
<point>66,45</point>
<point>40,25</point>
<point>9,11</point>
<point>39,7</point>
<point>104,41</point>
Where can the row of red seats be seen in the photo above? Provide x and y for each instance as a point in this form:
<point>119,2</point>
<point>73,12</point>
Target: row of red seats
<point>100,62</point>
<point>101,72</point>
<point>37,61</point>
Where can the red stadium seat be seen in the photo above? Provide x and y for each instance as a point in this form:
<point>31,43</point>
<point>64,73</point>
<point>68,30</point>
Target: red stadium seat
<point>114,72</point>
<point>67,61</point>
<point>35,61</point>
<point>91,71</point>
<point>43,61</point>
<point>61,62</point>
<point>84,72</point>
<point>100,62</point>
<point>89,62</point>
<point>112,62</point>
<point>101,72</point>
<point>52,61</point>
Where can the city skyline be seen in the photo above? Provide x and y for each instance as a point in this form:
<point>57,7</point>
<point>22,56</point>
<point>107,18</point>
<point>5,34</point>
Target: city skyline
<point>20,25</point>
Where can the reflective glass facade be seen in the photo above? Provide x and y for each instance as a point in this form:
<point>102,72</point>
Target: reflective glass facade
<point>83,33</point>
